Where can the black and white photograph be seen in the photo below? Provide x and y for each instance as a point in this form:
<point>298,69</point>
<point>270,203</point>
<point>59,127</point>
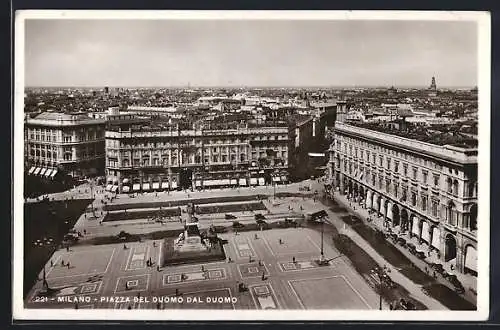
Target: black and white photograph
<point>232,165</point>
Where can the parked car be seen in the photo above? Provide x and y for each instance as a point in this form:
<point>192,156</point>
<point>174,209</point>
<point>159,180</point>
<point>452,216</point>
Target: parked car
<point>401,241</point>
<point>260,217</point>
<point>238,225</point>
<point>229,216</point>
<point>420,255</point>
<point>406,305</point>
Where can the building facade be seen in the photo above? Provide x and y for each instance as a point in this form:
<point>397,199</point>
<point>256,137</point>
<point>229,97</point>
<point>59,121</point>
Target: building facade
<point>64,143</point>
<point>145,157</point>
<point>422,190</point>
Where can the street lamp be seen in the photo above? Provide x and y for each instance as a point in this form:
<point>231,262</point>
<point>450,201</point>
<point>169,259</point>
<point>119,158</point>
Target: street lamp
<point>380,285</point>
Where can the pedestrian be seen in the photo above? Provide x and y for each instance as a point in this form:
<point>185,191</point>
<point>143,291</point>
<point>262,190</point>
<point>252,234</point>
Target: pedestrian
<point>158,267</point>
<point>250,259</point>
<point>280,241</point>
<point>62,262</point>
<point>229,260</point>
<point>255,236</point>
<point>263,276</point>
<point>84,232</point>
<point>177,292</point>
<point>124,246</point>
<point>293,259</point>
<point>202,268</point>
<point>67,248</point>
<point>154,244</point>
<point>68,264</point>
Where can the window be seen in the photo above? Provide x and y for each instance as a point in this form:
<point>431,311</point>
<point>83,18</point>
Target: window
<point>415,173</point>
<point>380,182</point>
<point>396,166</point>
<point>455,187</point>
<point>436,180</point>
<point>396,189</point>
<point>434,209</point>
<point>424,203</point>
<point>449,185</point>
<point>373,179</point>
<point>388,163</point>
<point>424,177</point>
<point>404,194</point>
<point>405,169</point>
<point>413,198</point>
<point>387,185</point>
<point>380,160</point>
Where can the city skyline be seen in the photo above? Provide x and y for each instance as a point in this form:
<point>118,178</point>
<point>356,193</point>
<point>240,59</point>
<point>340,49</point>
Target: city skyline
<point>249,53</point>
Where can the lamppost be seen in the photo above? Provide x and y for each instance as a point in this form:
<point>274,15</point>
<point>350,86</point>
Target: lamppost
<point>322,254</point>
<point>380,285</point>
<point>92,196</point>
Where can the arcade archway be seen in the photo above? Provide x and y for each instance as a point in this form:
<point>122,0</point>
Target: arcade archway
<point>404,220</point>
<point>450,248</point>
<point>396,219</point>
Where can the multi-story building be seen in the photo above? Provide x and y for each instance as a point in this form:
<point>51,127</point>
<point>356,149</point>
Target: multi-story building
<point>64,143</point>
<point>426,190</point>
<point>153,155</point>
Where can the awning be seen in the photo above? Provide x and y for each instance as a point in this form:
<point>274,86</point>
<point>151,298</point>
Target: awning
<point>253,181</point>
<point>156,185</point>
<point>242,182</point>
<point>115,180</point>
<point>108,187</point>
<point>471,258</point>
<point>32,169</point>
<point>174,185</point>
<point>284,178</point>
<point>42,172</point>
<point>425,231</point>
<point>389,210</point>
<point>164,185</point>
<point>225,182</point>
<point>145,186</point>
<point>261,171</point>
<point>125,181</point>
<point>211,183</point>
<point>436,239</point>
<point>125,188</point>
<point>234,182</point>
<point>262,182</point>
<point>276,179</point>
<point>136,186</point>
<point>48,172</point>
<point>415,228</point>
<point>54,172</point>
<point>114,188</point>
<point>382,206</point>
<point>37,170</point>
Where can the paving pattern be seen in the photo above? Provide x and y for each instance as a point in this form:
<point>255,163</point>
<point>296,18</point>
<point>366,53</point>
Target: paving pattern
<point>111,277</point>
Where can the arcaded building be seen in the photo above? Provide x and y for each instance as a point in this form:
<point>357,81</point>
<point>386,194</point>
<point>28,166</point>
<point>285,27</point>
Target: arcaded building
<point>423,184</point>
<point>72,144</point>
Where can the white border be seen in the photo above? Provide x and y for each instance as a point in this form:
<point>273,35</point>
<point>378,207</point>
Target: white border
<point>484,66</point>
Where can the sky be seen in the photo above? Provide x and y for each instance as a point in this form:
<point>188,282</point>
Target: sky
<point>164,53</point>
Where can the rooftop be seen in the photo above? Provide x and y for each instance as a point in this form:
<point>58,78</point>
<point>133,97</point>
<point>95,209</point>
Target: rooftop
<point>437,135</point>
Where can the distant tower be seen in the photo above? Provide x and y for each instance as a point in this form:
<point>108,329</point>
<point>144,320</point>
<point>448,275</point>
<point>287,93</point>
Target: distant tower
<point>433,84</point>
<point>106,90</point>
